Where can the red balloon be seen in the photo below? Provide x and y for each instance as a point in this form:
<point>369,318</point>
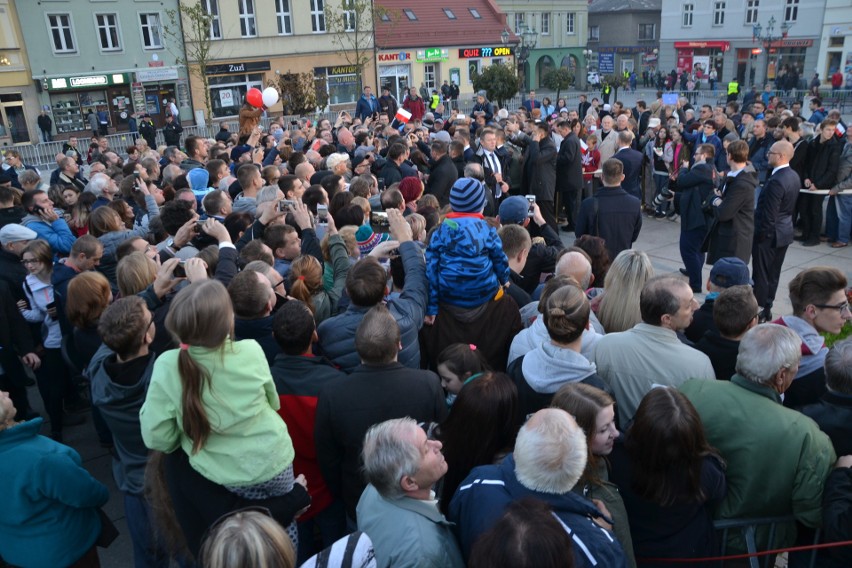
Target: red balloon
<point>254,97</point>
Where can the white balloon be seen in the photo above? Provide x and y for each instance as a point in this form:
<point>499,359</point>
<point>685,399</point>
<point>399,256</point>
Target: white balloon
<point>270,96</point>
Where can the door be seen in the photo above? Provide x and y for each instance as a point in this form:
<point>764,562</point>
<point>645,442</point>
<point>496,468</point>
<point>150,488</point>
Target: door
<point>13,124</point>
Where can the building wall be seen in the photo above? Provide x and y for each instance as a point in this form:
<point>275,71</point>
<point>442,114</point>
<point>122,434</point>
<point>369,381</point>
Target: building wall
<point>737,32</point>
<point>19,107</point>
<point>299,51</point>
<point>836,41</point>
<point>620,30</point>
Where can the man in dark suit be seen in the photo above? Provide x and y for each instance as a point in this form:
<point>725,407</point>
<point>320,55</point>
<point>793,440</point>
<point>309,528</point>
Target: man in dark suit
<point>569,173</point>
<point>732,229</point>
<point>531,103</point>
<point>495,164</point>
<point>695,185</point>
<point>443,174</point>
<point>583,107</point>
<point>540,169</point>
<point>773,225</point>
<point>632,161</point>
<point>612,213</point>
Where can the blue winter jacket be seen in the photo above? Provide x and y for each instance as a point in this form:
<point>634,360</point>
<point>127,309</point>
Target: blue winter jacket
<point>465,263</point>
<point>49,516</point>
<point>483,496</point>
<point>57,234</point>
<point>366,107</point>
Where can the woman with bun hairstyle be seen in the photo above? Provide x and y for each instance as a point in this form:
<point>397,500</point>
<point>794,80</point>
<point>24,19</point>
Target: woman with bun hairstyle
<point>306,277</point>
<point>539,373</point>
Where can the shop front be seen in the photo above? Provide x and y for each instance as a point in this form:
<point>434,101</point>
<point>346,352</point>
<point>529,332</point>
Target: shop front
<point>152,86</point>
<point>229,83</point>
<point>395,73</point>
<point>340,82</point>
<point>72,99</point>
<point>697,57</point>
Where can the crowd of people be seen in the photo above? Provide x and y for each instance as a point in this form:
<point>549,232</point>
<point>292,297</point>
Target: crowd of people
<point>365,343</point>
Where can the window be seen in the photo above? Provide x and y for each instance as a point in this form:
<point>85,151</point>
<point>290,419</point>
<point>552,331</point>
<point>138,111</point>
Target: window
<point>151,38</point>
<point>569,23</point>
<point>248,26</point>
<point>719,13</point>
<point>285,20</point>
<point>430,75</point>
<point>61,33</point>
<point>647,31</point>
<point>318,16</point>
<point>594,33</point>
<point>791,11</point>
<point>410,15</point>
<point>835,42</point>
<point>107,25</point>
<point>212,8</point>
<point>475,13</point>
<point>519,23</point>
<point>449,13</point>
<point>751,11</point>
<point>545,24</point>
<point>686,18</point>
<point>350,22</point>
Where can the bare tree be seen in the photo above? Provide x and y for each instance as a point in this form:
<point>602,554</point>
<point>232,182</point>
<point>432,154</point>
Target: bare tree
<point>352,25</point>
<point>190,31</point>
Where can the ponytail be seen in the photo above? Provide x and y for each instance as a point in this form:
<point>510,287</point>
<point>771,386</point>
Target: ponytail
<point>299,290</point>
<point>194,379</point>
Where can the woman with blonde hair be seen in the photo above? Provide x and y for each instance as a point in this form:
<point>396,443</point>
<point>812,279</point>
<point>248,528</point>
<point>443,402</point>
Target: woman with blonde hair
<point>594,411</point>
<point>306,277</point>
<point>214,400</point>
<point>247,539</point>
<point>619,305</point>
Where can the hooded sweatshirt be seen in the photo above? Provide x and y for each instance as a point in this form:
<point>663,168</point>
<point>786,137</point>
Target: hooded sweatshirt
<point>118,391</point>
<point>39,295</point>
<point>536,334</point>
<point>813,345</point>
<point>548,367</point>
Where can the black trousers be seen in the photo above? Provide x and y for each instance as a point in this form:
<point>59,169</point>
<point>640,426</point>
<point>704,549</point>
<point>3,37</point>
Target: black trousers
<point>549,214</point>
<point>571,202</point>
<point>767,261</point>
<point>54,385</point>
<point>810,216</point>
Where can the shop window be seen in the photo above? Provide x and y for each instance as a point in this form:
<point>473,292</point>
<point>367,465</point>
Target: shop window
<point>545,23</point>
<point>647,32</point>
<point>151,36</point>
<point>212,8</point>
<point>228,92</point>
<point>569,23</point>
<point>342,88</point>
<point>108,36</point>
<point>751,11</point>
<point>285,19</point>
<point>318,16</point>
<point>61,33</point>
<point>248,25</point>
<point>686,15</point>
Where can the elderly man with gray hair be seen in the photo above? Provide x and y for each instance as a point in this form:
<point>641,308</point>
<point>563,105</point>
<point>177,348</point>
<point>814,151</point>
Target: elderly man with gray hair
<point>778,459</point>
<point>549,458</point>
<point>103,187</point>
<point>398,509</point>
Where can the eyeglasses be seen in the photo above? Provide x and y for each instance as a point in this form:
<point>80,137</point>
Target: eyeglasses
<point>844,307</point>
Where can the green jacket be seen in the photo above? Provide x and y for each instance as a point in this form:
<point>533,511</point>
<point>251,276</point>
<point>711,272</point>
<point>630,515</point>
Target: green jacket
<point>778,459</point>
<point>248,443</point>
<point>325,301</point>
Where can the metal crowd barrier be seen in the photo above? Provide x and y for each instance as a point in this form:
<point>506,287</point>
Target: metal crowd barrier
<point>748,528</point>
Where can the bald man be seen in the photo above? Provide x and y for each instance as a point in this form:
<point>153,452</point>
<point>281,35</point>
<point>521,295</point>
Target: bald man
<point>304,172</point>
<point>773,225</point>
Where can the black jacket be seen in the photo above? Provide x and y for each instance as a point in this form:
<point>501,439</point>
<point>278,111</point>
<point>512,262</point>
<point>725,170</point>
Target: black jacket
<point>504,157</point>
<point>773,216</point>
<point>694,185</point>
<point>171,133</point>
<point>261,331</point>
<point>732,228</point>
<point>542,256</point>
<point>702,321</point>
<point>441,179</point>
<point>348,406</point>
<point>13,273</point>
<point>10,215</point>
<point>823,161</point>
<point>15,338</point>
<point>390,173</point>
<point>569,165</point>
<point>539,168</point>
<point>722,353</point>
<point>837,517</point>
<point>632,160</point>
<point>613,215</point>
<point>833,415</point>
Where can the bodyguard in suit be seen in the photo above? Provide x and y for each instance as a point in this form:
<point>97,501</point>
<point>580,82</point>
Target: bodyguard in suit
<point>773,225</point>
<point>495,164</point>
<point>695,185</point>
<point>540,169</point>
<point>732,229</point>
<point>569,171</point>
<point>444,173</point>
<point>632,160</point>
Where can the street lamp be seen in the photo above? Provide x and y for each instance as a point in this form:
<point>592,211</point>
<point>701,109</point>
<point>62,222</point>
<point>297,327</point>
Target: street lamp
<point>529,39</point>
<point>767,36</point>
<point>504,36</point>
<point>588,55</point>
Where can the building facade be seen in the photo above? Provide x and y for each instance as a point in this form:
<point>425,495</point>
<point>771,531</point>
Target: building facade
<point>19,104</point>
<point>427,44</point>
<point>561,29</point>
<point>836,43</point>
<point>104,56</point>
<point>624,36</point>
<point>255,41</point>
<point>720,33</point>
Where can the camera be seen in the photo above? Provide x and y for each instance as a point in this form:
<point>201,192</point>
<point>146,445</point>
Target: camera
<point>180,270</point>
<point>285,204</point>
<point>379,219</point>
<point>662,197</point>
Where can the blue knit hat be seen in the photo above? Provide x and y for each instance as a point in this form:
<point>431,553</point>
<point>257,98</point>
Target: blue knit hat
<point>467,196</point>
<point>198,178</point>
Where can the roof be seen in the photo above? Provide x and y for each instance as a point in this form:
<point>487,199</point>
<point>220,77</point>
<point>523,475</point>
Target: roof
<point>598,6</point>
<point>435,27</point>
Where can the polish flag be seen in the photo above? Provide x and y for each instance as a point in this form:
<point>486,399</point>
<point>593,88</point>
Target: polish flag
<point>403,116</point>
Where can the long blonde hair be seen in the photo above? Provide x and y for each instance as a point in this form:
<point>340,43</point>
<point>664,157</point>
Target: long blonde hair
<point>619,307</point>
<point>247,539</point>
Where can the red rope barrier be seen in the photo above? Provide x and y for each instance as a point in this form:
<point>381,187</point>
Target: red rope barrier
<point>747,555</point>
